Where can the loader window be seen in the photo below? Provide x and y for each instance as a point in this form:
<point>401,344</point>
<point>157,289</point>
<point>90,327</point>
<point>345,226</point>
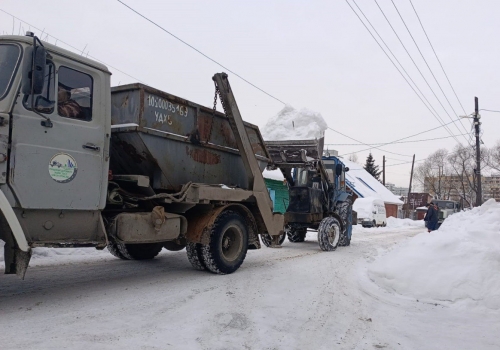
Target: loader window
<point>74,94</point>
<point>44,103</point>
<point>9,59</point>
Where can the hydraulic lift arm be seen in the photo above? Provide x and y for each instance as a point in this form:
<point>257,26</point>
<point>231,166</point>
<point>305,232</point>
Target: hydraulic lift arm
<point>274,222</point>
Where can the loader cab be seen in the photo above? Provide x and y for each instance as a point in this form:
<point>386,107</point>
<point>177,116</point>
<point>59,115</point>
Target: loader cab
<point>337,169</point>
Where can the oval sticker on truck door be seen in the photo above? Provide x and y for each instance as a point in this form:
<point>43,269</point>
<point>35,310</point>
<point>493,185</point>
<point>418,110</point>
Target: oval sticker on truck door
<point>62,168</point>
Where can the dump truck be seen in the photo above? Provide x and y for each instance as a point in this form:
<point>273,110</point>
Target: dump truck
<point>130,168</point>
<point>319,198</point>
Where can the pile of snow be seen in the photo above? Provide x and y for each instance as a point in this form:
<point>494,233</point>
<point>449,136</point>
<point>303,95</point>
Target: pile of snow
<point>392,222</point>
<point>273,174</point>
<point>291,124</point>
<point>458,265</point>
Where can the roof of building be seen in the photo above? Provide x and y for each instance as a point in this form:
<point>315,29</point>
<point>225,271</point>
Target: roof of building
<point>365,185</point>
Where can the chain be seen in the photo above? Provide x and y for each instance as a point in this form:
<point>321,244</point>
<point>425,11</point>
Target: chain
<point>213,111</point>
<point>215,99</point>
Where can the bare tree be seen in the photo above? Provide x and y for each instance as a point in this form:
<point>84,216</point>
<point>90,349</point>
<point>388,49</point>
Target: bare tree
<point>462,163</point>
<point>431,175</point>
<point>493,157</point>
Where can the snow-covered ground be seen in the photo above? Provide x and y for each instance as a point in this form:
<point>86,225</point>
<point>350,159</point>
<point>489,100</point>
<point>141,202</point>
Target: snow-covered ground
<point>391,289</point>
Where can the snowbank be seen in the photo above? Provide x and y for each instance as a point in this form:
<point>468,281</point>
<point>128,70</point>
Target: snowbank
<point>392,222</point>
<point>291,124</point>
<point>457,265</point>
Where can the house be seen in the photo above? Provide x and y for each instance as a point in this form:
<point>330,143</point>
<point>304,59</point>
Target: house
<point>363,185</point>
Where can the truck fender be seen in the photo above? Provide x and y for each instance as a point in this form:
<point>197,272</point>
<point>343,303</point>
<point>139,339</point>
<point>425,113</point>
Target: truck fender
<point>15,226</point>
<point>200,225</point>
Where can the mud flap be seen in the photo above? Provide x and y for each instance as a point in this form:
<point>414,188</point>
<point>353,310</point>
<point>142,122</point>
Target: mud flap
<point>16,261</point>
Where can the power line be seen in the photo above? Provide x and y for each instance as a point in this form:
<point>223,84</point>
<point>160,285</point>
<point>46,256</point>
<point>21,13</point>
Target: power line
<point>435,116</point>
<point>430,70</point>
<point>424,159</point>
<point>407,137</point>
<point>402,67</point>
<point>201,53</point>
<point>385,144</point>
<point>446,75</point>
<point>416,66</point>
<point>338,132</point>
<point>489,110</point>
<point>435,54</point>
<point>69,45</point>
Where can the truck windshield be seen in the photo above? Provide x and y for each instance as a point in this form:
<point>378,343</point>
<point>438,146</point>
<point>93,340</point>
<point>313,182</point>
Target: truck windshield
<point>9,59</point>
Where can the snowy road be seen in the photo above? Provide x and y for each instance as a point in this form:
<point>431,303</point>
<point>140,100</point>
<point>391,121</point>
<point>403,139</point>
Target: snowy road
<point>296,297</point>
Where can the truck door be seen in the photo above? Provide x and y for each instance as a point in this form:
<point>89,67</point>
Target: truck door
<point>61,167</point>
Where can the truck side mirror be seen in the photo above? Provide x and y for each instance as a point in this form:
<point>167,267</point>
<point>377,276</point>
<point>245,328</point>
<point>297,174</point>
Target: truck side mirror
<point>34,70</point>
<point>346,169</point>
<point>338,169</point>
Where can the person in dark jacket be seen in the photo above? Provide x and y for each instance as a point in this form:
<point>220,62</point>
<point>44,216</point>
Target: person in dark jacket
<point>431,217</point>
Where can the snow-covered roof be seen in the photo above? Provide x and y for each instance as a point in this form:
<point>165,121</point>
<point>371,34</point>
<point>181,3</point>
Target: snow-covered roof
<point>365,185</point>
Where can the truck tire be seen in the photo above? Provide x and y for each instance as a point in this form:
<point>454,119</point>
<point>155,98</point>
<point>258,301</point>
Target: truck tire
<point>141,251</point>
<point>266,239</point>
<point>296,235</point>
<point>228,244</point>
<point>329,234</point>
<point>195,256</point>
<point>173,246</point>
<point>115,251</point>
<point>344,209</point>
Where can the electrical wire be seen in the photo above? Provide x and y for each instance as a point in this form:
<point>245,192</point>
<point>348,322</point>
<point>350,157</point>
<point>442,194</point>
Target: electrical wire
<point>435,116</point>
<point>385,144</point>
<point>435,54</point>
<point>338,132</point>
<point>201,53</point>
<point>69,45</point>
<point>445,74</point>
<point>430,70</point>
<point>416,66</point>
<point>489,110</point>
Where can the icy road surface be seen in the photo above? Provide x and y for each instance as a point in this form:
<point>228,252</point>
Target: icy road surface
<point>296,297</point>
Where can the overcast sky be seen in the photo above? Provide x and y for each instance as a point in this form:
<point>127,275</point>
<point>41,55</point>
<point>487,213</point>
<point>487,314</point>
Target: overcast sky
<point>313,54</point>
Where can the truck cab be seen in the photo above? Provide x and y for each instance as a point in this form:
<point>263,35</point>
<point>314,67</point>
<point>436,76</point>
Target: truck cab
<point>54,141</point>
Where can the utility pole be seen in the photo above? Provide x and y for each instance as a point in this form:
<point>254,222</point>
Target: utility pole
<point>479,192</point>
<point>409,188</point>
<point>383,171</point>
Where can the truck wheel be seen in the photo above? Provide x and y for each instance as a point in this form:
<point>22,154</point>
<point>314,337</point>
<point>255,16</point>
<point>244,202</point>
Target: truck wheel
<point>329,234</point>
<point>228,244</point>
<point>115,251</point>
<point>195,256</point>
<point>173,246</point>
<point>266,239</point>
<point>141,251</point>
<point>296,235</point>
<point>344,209</point>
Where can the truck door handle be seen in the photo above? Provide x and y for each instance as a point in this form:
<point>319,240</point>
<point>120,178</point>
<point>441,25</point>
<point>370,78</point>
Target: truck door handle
<point>91,146</point>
